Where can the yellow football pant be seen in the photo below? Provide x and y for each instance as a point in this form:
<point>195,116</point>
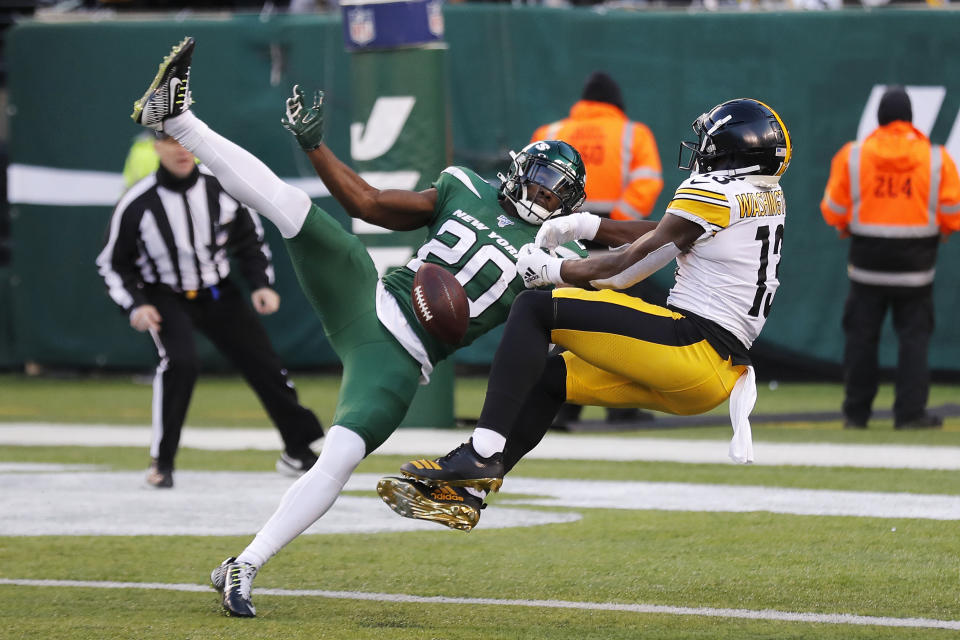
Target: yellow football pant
<point>624,352</point>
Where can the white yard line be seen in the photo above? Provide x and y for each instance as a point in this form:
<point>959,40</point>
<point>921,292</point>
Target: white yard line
<point>115,503</point>
<point>429,442</point>
<point>746,614</point>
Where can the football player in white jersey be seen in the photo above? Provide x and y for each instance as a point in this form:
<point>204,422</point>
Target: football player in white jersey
<point>724,226</point>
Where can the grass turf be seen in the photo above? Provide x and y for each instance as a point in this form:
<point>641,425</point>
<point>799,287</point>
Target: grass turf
<point>227,402</point>
<point>758,561</point>
<point>866,566</point>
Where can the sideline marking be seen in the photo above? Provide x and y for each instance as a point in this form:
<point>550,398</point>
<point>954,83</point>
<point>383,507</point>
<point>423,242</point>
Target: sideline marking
<point>116,503</point>
<point>747,614</point>
<point>419,442</point>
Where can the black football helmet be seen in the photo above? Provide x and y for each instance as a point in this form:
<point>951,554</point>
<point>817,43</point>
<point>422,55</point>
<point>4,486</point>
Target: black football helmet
<point>555,166</point>
<point>739,137</point>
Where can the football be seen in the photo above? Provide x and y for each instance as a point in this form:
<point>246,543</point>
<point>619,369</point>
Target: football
<point>440,303</point>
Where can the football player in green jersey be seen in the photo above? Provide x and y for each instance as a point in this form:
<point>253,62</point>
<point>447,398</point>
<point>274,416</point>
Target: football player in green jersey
<point>475,231</point>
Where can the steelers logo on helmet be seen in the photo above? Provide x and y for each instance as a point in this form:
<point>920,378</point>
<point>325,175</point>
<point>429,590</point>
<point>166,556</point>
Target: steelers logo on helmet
<point>546,179</point>
<point>742,137</point>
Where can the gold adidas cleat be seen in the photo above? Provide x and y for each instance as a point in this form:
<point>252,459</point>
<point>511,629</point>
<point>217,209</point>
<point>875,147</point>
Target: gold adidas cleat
<point>462,467</point>
<point>450,506</point>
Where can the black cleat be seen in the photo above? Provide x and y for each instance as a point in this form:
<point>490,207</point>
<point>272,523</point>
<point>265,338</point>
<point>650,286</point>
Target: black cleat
<point>169,93</point>
<point>452,507</point>
<point>159,478</point>
<point>925,421</point>
<point>237,582</point>
<point>462,467</point>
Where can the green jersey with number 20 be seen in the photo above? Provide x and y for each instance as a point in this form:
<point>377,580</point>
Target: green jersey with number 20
<point>472,237</point>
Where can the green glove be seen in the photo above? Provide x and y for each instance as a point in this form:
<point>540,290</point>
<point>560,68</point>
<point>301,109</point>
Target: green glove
<point>305,123</point>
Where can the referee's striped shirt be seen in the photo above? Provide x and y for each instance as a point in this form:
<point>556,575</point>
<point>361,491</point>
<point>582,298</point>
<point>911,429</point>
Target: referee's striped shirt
<point>178,232</point>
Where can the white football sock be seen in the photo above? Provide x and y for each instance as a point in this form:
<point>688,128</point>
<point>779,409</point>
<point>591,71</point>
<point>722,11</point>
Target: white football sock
<point>242,175</point>
<point>309,497</point>
<point>476,492</point>
<point>487,442</point>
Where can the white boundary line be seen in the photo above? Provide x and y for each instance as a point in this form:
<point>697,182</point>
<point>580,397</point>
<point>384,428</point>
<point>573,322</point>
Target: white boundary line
<point>429,442</point>
<point>748,614</point>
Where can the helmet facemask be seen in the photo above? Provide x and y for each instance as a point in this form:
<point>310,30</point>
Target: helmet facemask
<point>704,155</point>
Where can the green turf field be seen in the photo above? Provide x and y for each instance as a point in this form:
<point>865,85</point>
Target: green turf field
<point>226,401</point>
<point>799,567</point>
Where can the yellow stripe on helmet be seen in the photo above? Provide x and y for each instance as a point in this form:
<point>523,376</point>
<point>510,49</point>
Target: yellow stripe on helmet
<point>786,136</point>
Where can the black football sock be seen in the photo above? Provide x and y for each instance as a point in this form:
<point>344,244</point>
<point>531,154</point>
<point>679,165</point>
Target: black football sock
<point>538,412</point>
<point>519,361</point>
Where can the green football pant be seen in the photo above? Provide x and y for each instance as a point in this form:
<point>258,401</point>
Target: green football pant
<point>340,281</point>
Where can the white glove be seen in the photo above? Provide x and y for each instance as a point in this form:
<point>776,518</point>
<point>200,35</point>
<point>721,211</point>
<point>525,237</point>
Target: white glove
<point>537,267</point>
<point>576,226</point>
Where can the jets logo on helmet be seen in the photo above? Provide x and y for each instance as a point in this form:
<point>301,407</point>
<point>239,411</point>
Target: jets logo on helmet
<point>547,165</point>
<point>743,137</point>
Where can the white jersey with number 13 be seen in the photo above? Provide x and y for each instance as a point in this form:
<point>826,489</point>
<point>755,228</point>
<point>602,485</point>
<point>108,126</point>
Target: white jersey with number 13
<point>730,275</point>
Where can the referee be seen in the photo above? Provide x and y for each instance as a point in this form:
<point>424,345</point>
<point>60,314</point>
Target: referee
<point>166,264</point>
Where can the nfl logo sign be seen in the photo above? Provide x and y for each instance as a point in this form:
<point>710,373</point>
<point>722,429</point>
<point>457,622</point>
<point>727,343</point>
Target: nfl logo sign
<point>362,30</point>
<point>435,18</point>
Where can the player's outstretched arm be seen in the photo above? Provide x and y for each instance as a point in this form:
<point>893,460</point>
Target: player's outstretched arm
<point>672,236</point>
<point>394,209</point>
<point>616,233</point>
<point>390,208</point>
<point>587,226</point>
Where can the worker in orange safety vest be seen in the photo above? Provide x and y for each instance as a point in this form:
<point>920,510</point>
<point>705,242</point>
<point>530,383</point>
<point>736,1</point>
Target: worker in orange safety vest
<point>895,195</point>
<point>624,175</point>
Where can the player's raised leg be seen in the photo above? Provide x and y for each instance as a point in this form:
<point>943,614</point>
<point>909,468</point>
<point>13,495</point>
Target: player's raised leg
<point>165,106</point>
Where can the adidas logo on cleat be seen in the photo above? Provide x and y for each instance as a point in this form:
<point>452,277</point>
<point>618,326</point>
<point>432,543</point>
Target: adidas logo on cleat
<point>446,494</point>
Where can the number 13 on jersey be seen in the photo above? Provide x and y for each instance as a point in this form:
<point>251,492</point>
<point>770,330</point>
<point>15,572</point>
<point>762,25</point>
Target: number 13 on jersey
<point>763,300</point>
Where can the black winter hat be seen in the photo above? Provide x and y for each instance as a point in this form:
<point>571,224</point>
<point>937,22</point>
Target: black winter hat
<point>600,87</point>
<point>894,105</point>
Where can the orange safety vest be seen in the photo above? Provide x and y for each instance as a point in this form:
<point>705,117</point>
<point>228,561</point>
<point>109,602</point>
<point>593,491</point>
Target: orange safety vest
<point>624,176</point>
<point>894,184</point>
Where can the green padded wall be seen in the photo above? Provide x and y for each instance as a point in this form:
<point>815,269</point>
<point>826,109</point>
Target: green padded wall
<point>510,69</point>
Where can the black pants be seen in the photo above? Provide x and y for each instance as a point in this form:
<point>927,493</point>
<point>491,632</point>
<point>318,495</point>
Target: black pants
<point>863,316</point>
<point>231,324</point>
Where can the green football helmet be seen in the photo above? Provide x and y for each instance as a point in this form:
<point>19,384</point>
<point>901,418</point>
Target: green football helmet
<point>554,165</point>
